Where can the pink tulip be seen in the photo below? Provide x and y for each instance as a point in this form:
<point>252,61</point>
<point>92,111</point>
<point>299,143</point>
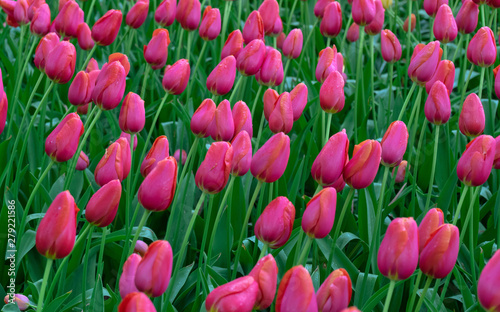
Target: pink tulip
<point>242,119</point>
<point>103,205</point>
<point>331,93</point>
<point>237,295</point>
<point>202,118</point>
<point>213,173</point>
<point>158,188</point>
<point>334,294</point>
<point>439,255</point>
<point>363,11</point>
<point>400,171</point>
<point>106,28</point>
<point>22,302</point>
<point>4,106</point>
<point>84,36</point>
<point>221,79</point>
<point>270,97</point>
<point>109,86</point>
<point>188,14</point>
<point>132,115</point>
<point>296,292</point>
<point>318,218</point>
<point>110,167</point>
<point>377,23</point>
<point>320,6</point>
<point>177,156</point>
<point>394,144</point>
<point>474,166</point>
<point>92,65</point>
<point>136,302</point>
<point>60,62</point>
<point>137,14</point>
<point>331,24</point>
<point>487,290</point>
<point>156,52</point>
<point>424,63</point>
<point>233,44</point>
<point>153,272</point>
<point>83,162</point>
<point>431,7</point>
<point>40,23</point>
<point>298,97</point>
<point>361,170</point>
<point>127,279</point>
<point>445,73</point>
<point>467,17</point>
<point>21,12</point>
<point>165,12</point>
<point>127,136</point>
<point>275,224</point>
<point>176,77</point>
<point>281,114</point>
<point>210,24</point>
<point>222,126</point>
<point>279,40</point>
<point>140,248</point>
<point>62,142</point>
<point>496,162</point>
<point>353,33</point>
<point>270,161</point>
<point>432,220</point>
<point>437,106</point>
<point>67,21</point>
<point>482,50</point>
<point>271,71</point>
<point>242,154</point>
<point>329,165</point>
<point>292,46</point>
<point>158,152</point>
<point>472,120</point>
<point>251,57</point>
<point>265,273</point>
<point>327,63</point>
<point>445,28</point>
<point>270,12</point>
<point>390,46</point>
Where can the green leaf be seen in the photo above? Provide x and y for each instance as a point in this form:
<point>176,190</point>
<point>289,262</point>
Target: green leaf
<point>97,300</point>
<point>180,280</point>
<point>56,303</point>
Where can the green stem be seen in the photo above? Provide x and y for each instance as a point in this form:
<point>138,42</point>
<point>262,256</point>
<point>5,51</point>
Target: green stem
<point>193,73</point>
<point>145,80</point>
<point>414,291</point>
<point>254,105</point>
<point>389,294</point>
<point>349,22</point>
<point>460,203</point>
<point>89,55</point>
<point>235,88</point>
<point>287,65</point>
<point>481,81</point>
<point>188,158</point>
<point>407,100</point>
<point>100,263</point>
<point>130,192</point>
<point>342,214</point>
<point>85,267</point>
<point>408,41</point>
<point>305,250</point>
<point>227,11</point>
<point>359,82</point>
<point>464,88</point>
<point>471,242</point>
<point>89,13</point>
<point>372,66</point>
<point>208,217</point>
<point>259,133</point>
<point>433,169</point>
<point>138,231</point>
<point>327,130</point>
<point>48,266</point>
<point>459,45</point>
<point>263,251</point>
<point>307,41</point>
<point>424,292</point>
<point>289,20</point>
<point>389,93</point>
<point>179,43</point>
<point>190,42</point>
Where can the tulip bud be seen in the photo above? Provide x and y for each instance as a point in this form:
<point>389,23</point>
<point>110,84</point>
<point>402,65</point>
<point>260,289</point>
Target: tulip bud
<point>106,28</point>
<point>188,14</point>
<point>140,248</point>
<point>202,118</point>
<point>67,21</point>
<point>390,46</point>
<point>60,62</point>
<point>493,3</point>
<point>320,6</point>
<point>472,120</point>
<point>270,97</point>
<point>275,224</point>
<point>222,126</point>
<point>363,11</point>
<point>135,302</point>
<point>22,302</point>
<point>103,205</point>
<point>432,220</point>
<point>127,136</point>
<point>329,164</point>
<point>93,65</point>
<point>331,24</point>
<point>298,97</point>
<point>296,291</point>
<point>331,93</point>
<point>496,162</point>
<point>270,161</point>
<point>110,167</point>
<point>319,215</point>
<point>361,170</point>
<point>132,115</point>
<point>413,23</point>
<point>474,166</point>
<point>339,184</point>
<point>432,6</point>
<point>271,72</point>
<point>327,63</point>
<point>55,236</point>
<point>21,12</point>
<point>138,14</point>
<point>399,175</point>
<point>156,52</point>
<point>437,106</point>
<point>126,157</point>
<point>176,77</point>
<point>445,73</point>
<point>83,109</point>
<point>281,114</point>
<point>158,188</point>
<point>62,142</point>
<point>292,46</point>
<point>353,33</point>
<point>233,44</point>
<point>377,24</point>
<point>210,24</point>
<point>213,173</point>
<point>84,36</point>
<point>242,154</point>
<point>109,86</point>
<point>487,289</point>
<point>335,292</point>
<point>122,58</point>
<point>251,57</point>
<point>279,40</point>
<point>165,12</point>
<point>445,27</point>
<point>398,253</point>
<point>177,156</point>
<point>394,144</point>
<point>40,24</point>
<point>439,255</point>
<point>237,295</point>
<point>265,273</point>
<point>467,17</point>
<point>83,162</point>
<point>154,271</point>
<point>158,152</point>
<point>80,90</point>
<point>424,62</point>
<point>270,12</point>
<point>242,119</point>
<point>127,279</point>
<point>221,79</point>
<point>482,50</point>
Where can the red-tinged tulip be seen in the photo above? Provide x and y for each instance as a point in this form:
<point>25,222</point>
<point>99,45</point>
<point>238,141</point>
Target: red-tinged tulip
<point>377,24</point>
<point>298,97</point>
<point>292,46</point>
<point>83,109</point>
<point>122,58</point>
<point>132,115</point>
<point>487,289</point>
<point>221,79</point>
<point>280,40</point>
<point>296,292</point>
<point>423,63</point>
<point>270,12</point>
<point>281,114</point>
<point>472,120</point>
<point>360,171</point>
<point>60,62</point>
<point>67,21</point>
<point>33,5</point>
<point>55,236</point>
<point>251,57</point>
<point>8,7</point>
<point>329,165</point>
<point>138,14</point>
<point>3,104</point>
<point>320,6</point>
<point>158,188</point>
<point>437,106</point>
<point>110,167</point>
<point>467,17</point>
<point>353,33</point>
<point>253,28</point>
<point>445,27</point>
<point>390,46</point>
<point>331,93</point>
<point>439,255</point>
<point>154,271</point>
<point>127,136</point>
<point>445,73</point>
<point>431,7</point>
<point>84,36</point>
<point>158,152</point>
<point>126,158</point>
<point>140,248</point>
<point>188,14</point>
<point>265,273</point>
<point>177,156</point>
<point>62,142</point>
<point>331,24</point>
<point>80,90</point>
<point>270,97</point>
<point>242,118</point>
<point>413,23</point>
<point>93,65</point>
<point>275,224</point>
<point>327,63</point>
<point>242,154</point>
<point>233,44</point>
<point>136,302</point>
<point>213,173</point>
<point>363,11</point>
<point>319,215</point>
<point>103,205</point>
<point>482,50</point>
<point>270,161</point>
<point>334,294</point>
<point>176,77</point>
<point>40,24</point>
<point>222,126</point>
<point>399,172</point>
<point>271,72</point>
<point>339,184</point>
<point>83,162</point>
<point>496,162</point>
<point>474,166</point>
<point>432,220</point>
<point>22,302</point>
<point>493,3</point>
<point>210,24</point>
<point>109,86</point>
<point>61,4</point>
<point>165,12</point>
<point>394,144</point>
<point>238,295</point>
<point>202,118</point>
<point>106,28</point>
<point>156,52</point>
<point>497,81</point>
<point>398,253</point>
<point>127,279</point>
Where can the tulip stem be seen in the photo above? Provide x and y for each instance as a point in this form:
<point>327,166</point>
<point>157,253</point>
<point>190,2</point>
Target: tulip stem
<point>359,83</point>
<point>207,217</point>
<point>227,10</point>
<point>145,80</point>
<point>328,125</point>
<point>424,292</point>
<point>468,217</point>
<point>464,88</point>
<point>389,295</point>
<point>89,14</point>
<point>138,231</point>
<point>407,100</point>
<point>342,214</point>
<point>189,43</point>
<point>48,267</point>
<point>89,55</point>
<point>460,203</point>
<point>179,45</point>
<point>389,91</point>
<point>433,169</point>
<point>85,267</point>
<point>307,41</point>
<point>414,291</point>
<point>263,251</point>
<point>287,65</point>
<point>244,227</point>
<point>471,241</point>
<point>100,263</point>
<point>198,61</point>
<point>289,21</point>
<point>254,105</point>
<point>130,192</point>
<point>481,82</point>
<point>349,22</point>
<point>188,158</point>
<point>372,67</point>
<point>408,42</point>
<point>259,133</point>
<point>459,45</point>
<point>235,88</point>
<point>305,250</point>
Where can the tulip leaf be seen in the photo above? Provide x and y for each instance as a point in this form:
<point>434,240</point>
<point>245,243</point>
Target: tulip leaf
<point>378,296</point>
<point>10,308</point>
<point>27,243</point>
<point>180,280</point>
<point>97,300</point>
<point>57,302</point>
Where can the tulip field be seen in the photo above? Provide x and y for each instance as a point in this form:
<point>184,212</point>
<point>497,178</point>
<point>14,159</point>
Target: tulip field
<point>238,156</point>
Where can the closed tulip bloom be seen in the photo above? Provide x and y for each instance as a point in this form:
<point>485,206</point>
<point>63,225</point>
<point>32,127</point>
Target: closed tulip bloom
<point>398,253</point>
<point>210,24</point>
<point>334,294</point>
<point>432,220</point>
<point>329,164</point>
<point>83,109</point>
<point>202,118</point>
<point>437,106</point>
<point>390,46</point>
<point>122,58</point>
<point>270,161</point>
<point>331,24</point>
<point>213,173</point>
<point>296,292</point>
<point>140,248</point>
<point>298,97</point>
<point>127,279</point>
<point>496,162</point>
<point>270,97</point>
<point>467,17</point>
<point>400,172</point>
<point>353,33</point>
<point>110,167</point>
<point>319,215</point>
<point>21,12</point>
<point>474,166</point>
<point>487,290</point>
<point>331,93</point>
<point>445,27</point>
<point>222,126</point>
<point>431,7</point>
<point>394,144</point>
<point>126,155</point>
<point>80,90</point>
<point>132,114</point>
<point>242,118</point>
<point>62,142</point>
<point>4,106</point>
<point>363,11</point>
<point>106,28</point>
<point>274,226</point>
<point>176,77</point>
<point>127,136</point>
<point>55,236</point>
<point>158,152</point>
<point>67,21</point>
<point>33,6</point>
<point>136,302</point>
<point>103,205</point>
<point>137,14</point>
<point>320,6</point>
<point>472,120</point>
<point>251,57</point>
<point>177,156</point>
<point>445,73</point>
<point>158,188</point>
<point>439,255</point>
<point>22,302</point>
<point>279,40</point>
<point>265,273</point>
<point>61,4</point>
<point>242,154</point>
<point>233,44</point>
<point>93,65</point>
<point>271,72</point>
<point>292,46</point>
<point>154,271</point>
<point>482,50</point>
<point>360,171</point>
<point>497,81</point>
<point>109,86</point>
<point>281,116</point>
<point>156,52</point>
<point>424,63</point>
<point>493,3</point>
<point>165,12</point>
<point>270,12</point>
<point>377,24</point>
<point>413,23</point>
<point>221,79</point>
<point>188,14</point>
<point>237,295</point>
<point>327,63</point>
<point>40,24</point>
<point>83,162</point>
<point>60,62</point>
<point>84,36</point>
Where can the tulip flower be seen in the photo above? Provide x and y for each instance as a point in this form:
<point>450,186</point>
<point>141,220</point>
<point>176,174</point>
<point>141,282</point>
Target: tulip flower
<point>327,63</point>
<point>83,162</point>
<point>140,248</point>
<point>399,175</point>
<point>335,292</point>
<point>138,14</point>
<point>67,21</point>
<point>432,220</point>
<point>110,167</point>
<point>21,12</point>
<point>103,205</point>
<point>394,144</point>
<point>83,109</point>
<point>122,58</point>
<point>233,44</point>
<point>176,77</point>
<point>242,154</point>
<point>353,33</point>
<point>126,157</point>
<point>467,17</point>
<point>439,255</point>
<point>132,114</point>
<point>271,72</point>
<point>154,271</point>
<point>351,309</point>
<point>60,62</point>
<point>127,279</point>
<point>127,136</point>
<point>424,63</point>
<point>177,156</point>
<point>188,14</point>
<point>158,188</point>
<point>497,81</point>
<point>62,142</point>
<point>472,120</point>
<point>136,301</point>
<point>292,46</point>
<point>390,46</point>
<point>156,52</point>
<point>318,218</point>
<point>279,40</point>
<point>275,224</point>
<point>496,162</point>
<point>445,73</point>
<point>298,97</point>
<point>251,57</point>
<point>221,79</point>
<point>270,161</point>
<point>331,24</point>
<point>493,3</point>
<point>296,292</point>
<point>482,50</point>
<point>474,166</point>
<point>80,90</point>
<point>56,233</point>
<point>270,97</point>
<point>92,65</point>
<point>445,28</point>
<point>437,106</point>
<point>331,93</point>
<point>361,170</point>
<point>106,28</point>
<point>222,126</point>
<point>413,23</point>
<point>363,11</point>
<point>213,173</point>
<point>377,24</point>
<point>320,6</point>
<point>398,253</point>
<point>202,118</point>
<point>431,7</point>
<point>270,12</point>
<point>487,290</point>
<point>329,164</point>
<point>237,295</point>
<point>22,302</point>
<point>4,106</point>
<point>242,119</point>
<point>281,114</point>
<point>40,24</point>
<point>165,12</point>
<point>8,7</point>
<point>158,152</point>
<point>109,86</point>
<point>265,273</point>
<point>84,36</point>
<point>210,24</point>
